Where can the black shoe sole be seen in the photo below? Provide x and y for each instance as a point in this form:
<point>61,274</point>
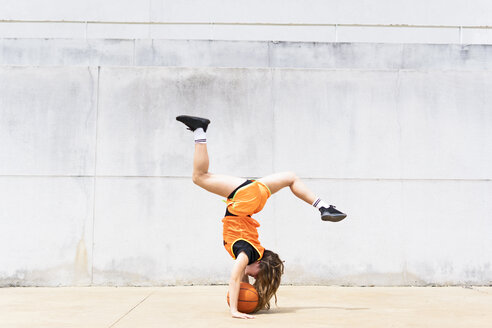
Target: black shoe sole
<point>331,218</point>
<point>194,122</point>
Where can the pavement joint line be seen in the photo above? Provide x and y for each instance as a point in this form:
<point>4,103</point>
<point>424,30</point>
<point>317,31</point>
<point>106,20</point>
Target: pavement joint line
<point>124,315</point>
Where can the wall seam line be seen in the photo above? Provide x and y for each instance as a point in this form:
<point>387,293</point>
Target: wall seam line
<point>254,177</point>
<point>272,93</point>
<point>244,24</point>
<point>95,175</point>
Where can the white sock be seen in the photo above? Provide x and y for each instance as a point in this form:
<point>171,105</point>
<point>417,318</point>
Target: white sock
<point>318,203</point>
<point>200,136</point>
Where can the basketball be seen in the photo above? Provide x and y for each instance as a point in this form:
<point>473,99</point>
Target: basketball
<point>248,298</point>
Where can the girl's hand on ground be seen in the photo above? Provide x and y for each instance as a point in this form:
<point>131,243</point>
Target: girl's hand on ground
<point>240,315</point>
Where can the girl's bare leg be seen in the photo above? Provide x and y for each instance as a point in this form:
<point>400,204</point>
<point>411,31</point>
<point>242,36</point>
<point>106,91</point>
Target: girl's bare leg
<point>218,184</point>
<point>277,181</point>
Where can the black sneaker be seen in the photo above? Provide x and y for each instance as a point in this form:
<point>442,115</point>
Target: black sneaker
<point>193,122</point>
<point>331,214</point>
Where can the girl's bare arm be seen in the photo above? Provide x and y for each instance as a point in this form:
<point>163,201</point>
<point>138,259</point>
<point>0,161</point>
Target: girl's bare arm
<point>237,275</point>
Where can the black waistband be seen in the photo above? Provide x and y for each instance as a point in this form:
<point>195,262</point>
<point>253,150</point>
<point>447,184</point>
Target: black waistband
<point>245,183</point>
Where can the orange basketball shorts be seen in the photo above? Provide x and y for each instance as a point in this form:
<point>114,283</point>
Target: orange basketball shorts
<point>249,199</point>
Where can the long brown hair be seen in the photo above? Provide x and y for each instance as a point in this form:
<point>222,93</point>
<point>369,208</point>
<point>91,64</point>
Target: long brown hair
<point>268,279</point>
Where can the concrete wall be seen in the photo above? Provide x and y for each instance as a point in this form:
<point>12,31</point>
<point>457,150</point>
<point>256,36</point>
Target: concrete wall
<point>191,53</point>
<point>96,189</point>
<point>419,21</point>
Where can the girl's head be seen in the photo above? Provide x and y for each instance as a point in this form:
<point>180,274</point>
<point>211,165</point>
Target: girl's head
<point>267,280</point>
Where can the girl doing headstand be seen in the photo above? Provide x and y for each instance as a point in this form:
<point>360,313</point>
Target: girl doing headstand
<point>245,198</point>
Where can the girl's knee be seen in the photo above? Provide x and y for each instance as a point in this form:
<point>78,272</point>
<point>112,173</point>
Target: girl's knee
<point>197,178</point>
<point>291,177</point>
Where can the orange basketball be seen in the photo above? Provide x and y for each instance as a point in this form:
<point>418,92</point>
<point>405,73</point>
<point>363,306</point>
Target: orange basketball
<point>248,298</point>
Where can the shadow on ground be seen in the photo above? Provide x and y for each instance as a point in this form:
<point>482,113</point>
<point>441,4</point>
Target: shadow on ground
<point>292,309</point>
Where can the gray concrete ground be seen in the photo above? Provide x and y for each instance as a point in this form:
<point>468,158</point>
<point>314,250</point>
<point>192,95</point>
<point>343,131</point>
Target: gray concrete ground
<point>205,306</point>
